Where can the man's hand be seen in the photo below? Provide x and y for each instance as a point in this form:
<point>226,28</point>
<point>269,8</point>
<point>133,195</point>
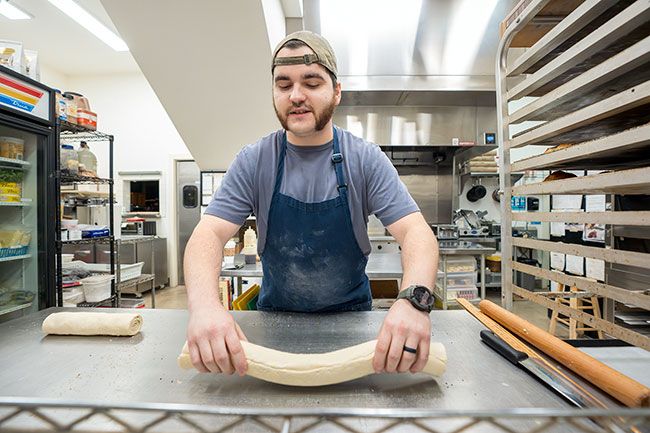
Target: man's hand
<point>213,339</point>
<point>404,325</point>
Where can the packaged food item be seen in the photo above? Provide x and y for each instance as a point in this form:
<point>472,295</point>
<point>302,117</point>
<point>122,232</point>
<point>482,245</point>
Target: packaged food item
<point>10,185</point>
<point>87,119</point>
<point>60,105</point>
<point>69,160</point>
<point>12,55</point>
<point>32,65</point>
<point>11,147</point>
<point>14,242</point>
<point>70,108</point>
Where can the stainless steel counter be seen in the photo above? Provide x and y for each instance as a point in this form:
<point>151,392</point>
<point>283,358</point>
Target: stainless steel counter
<point>384,265</point>
<point>379,266</point>
<point>143,368</point>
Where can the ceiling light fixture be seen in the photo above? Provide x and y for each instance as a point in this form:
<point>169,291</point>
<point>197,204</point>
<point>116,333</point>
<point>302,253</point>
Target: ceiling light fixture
<point>90,23</point>
<point>13,12</point>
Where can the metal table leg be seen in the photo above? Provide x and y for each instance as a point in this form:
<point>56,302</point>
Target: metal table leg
<point>482,276</point>
<point>153,293</point>
<point>444,283</point>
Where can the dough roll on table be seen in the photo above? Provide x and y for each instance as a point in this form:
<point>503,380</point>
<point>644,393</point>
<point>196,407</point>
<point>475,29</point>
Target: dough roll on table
<point>82,323</point>
<point>316,369</point>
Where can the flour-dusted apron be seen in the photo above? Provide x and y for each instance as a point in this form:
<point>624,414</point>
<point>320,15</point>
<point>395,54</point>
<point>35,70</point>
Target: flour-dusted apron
<point>311,260</point>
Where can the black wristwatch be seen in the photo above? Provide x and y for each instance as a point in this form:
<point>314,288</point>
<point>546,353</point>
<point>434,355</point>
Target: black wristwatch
<point>419,296</point>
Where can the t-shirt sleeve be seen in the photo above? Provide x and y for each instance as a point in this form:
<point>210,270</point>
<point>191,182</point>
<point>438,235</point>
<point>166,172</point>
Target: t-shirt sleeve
<point>388,198</point>
<point>234,199</point>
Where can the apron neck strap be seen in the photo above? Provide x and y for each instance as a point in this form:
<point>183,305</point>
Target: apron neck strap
<point>337,160</point>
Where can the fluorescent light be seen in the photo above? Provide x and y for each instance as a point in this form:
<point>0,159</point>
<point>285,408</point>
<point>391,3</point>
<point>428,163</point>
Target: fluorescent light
<point>90,23</point>
<point>13,12</point>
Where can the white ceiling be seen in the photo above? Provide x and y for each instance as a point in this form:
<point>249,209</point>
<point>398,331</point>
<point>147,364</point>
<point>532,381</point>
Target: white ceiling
<point>210,68</point>
<point>62,44</point>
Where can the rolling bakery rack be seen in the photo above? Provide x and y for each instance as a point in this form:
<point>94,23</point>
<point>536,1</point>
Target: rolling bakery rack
<point>587,74</point>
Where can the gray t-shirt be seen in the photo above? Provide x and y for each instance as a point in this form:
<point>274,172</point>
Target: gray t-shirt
<point>374,186</point>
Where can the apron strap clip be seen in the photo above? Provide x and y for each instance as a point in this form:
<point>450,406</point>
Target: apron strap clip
<point>337,158</point>
<point>345,185</point>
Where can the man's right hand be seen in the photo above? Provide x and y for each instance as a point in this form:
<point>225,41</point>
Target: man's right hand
<point>213,339</point>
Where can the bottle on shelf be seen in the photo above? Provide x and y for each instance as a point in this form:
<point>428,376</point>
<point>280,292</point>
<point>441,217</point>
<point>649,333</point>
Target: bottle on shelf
<point>69,160</point>
<point>250,246</point>
<point>87,160</point>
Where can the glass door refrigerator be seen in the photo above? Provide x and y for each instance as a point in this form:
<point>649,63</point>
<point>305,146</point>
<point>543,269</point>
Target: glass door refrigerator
<point>27,195</point>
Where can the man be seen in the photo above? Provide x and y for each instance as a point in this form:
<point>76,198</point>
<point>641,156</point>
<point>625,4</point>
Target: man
<point>311,186</point>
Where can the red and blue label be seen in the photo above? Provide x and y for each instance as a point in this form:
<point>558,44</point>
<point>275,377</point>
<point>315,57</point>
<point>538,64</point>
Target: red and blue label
<point>18,95</point>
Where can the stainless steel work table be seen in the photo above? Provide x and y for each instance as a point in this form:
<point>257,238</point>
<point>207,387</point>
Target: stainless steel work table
<point>142,369</point>
<point>385,265</point>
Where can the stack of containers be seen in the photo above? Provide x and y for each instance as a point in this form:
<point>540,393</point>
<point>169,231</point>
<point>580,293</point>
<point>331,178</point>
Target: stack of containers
<point>461,278</point>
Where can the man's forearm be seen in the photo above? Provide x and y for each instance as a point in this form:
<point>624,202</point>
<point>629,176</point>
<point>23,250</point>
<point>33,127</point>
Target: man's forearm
<point>202,266</point>
<point>419,257</point>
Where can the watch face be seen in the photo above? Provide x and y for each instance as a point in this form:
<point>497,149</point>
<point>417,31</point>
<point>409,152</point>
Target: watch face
<point>422,296</point>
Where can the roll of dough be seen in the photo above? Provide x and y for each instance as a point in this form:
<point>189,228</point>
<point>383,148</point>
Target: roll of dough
<point>82,323</point>
<point>316,369</point>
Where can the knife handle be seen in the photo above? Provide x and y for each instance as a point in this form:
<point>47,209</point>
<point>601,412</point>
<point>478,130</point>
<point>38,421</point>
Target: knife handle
<point>503,348</point>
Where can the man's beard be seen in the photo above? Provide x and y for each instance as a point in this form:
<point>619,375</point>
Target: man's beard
<point>322,118</point>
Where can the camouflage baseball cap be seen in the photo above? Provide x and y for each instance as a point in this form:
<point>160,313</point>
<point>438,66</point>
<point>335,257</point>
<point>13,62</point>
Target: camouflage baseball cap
<point>323,52</point>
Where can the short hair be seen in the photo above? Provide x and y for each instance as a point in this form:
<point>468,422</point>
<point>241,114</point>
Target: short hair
<point>295,44</point>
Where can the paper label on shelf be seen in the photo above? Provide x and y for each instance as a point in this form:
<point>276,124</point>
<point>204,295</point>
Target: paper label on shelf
<point>567,202</point>
<point>595,203</point>
<point>557,261</point>
<point>575,264</point>
<point>557,229</point>
<point>595,269</point>
<point>555,286</point>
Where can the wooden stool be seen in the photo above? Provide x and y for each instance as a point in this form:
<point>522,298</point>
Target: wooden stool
<point>579,304</point>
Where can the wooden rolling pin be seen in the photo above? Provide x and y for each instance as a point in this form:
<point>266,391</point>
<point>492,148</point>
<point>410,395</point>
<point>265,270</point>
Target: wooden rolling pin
<point>623,388</point>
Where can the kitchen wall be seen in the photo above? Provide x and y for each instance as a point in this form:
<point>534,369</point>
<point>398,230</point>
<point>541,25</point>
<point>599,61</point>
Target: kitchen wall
<point>145,137</point>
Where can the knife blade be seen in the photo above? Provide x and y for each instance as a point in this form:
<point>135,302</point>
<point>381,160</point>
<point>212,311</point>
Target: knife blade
<point>561,385</point>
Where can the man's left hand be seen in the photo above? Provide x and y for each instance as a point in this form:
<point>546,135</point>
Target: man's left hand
<point>404,326</point>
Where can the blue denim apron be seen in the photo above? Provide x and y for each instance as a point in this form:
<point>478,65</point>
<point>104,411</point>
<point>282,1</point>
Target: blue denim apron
<point>311,260</point>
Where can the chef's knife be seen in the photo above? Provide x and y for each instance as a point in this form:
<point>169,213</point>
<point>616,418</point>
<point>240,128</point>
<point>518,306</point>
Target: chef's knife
<point>536,367</point>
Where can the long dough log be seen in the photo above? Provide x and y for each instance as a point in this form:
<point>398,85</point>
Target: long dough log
<point>82,323</point>
<point>316,369</point>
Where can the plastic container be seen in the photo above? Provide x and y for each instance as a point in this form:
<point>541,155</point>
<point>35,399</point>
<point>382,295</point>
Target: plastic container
<point>72,297</point>
<point>127,272</point>
<point>69,160</point>
<point>88,160</point>
<point>458,279</point>
<point>97,288</point>
<point>493,263</point>
<point>12,148</point>
<point>67,258</point>
<point>469,293</point>
<point>131,303</point>
<point>460,264</point>
<point>69,224</point>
